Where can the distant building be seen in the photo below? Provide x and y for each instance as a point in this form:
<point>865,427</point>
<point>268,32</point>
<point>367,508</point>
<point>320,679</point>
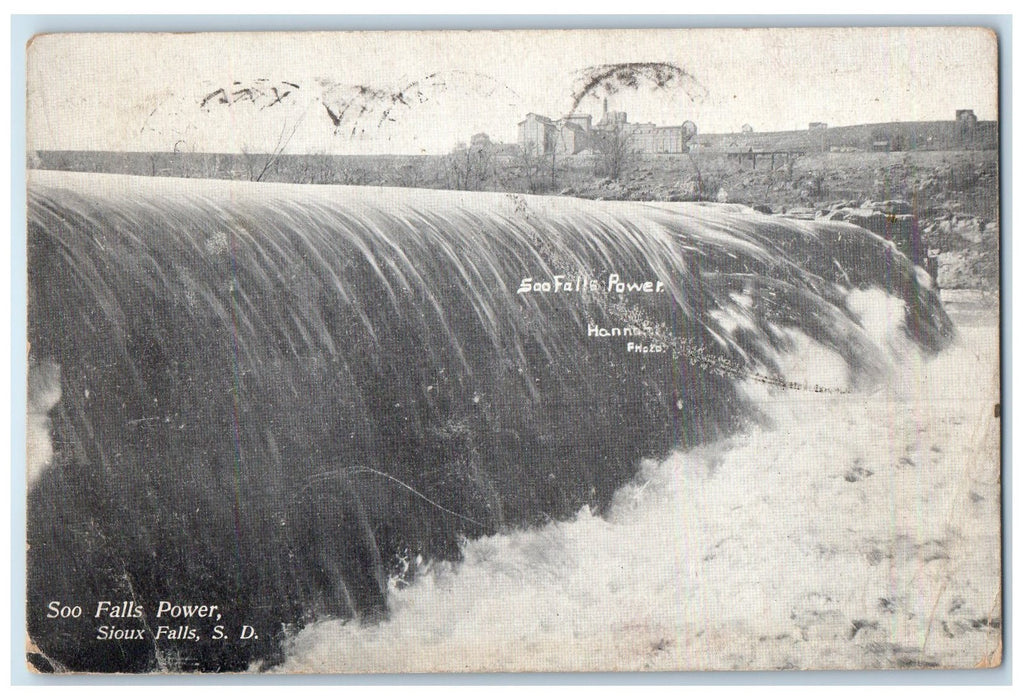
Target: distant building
<point>541,135</point>
<point>571,137</point>
<point>537,134</point>
<point>966,116</point>
<point>965,126</point>
<point>584,121</point>
<point>817,126</point>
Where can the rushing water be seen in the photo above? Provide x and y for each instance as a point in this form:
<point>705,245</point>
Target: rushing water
<point>848,531</point>
<point>291,400</point>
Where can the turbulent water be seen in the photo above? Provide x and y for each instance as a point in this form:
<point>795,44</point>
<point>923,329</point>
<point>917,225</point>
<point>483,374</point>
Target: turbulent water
<point>298,402</point>
<point>847,532</point>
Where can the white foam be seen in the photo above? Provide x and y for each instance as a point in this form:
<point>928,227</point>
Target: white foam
<point>43,394</point>
<point>857,531</point>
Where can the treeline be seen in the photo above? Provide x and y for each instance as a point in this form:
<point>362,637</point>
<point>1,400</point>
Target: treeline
<point>487,167</point>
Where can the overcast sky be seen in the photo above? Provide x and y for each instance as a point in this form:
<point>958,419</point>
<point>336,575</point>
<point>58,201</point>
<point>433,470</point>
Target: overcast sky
<point>143,92</point>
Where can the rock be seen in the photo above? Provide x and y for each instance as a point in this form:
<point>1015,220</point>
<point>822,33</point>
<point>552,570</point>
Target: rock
<point>970,229</point>
<point>968,269</point>
<point>896,206</point>
<point>763,209</point>
<point>867,218</point>
<point>801,213</point>
<point>955,270</point>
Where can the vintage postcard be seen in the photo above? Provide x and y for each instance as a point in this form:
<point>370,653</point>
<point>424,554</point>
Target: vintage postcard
<point>483,351</point>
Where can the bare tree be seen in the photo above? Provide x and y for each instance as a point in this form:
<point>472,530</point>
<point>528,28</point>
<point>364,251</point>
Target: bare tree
<point>259,164</point>
<point>350,173</point>
<point>407,173</point>
<point>530,165</point>
<point>471,167</point>
<point>551,146</point>
<point>704,189</point>
<point>615,151</point>
<point>153,159</point>
<point>323,169</point>
<point>255,97</point>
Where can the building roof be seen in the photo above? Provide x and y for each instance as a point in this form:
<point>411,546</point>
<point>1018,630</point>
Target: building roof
<point>537,117</point>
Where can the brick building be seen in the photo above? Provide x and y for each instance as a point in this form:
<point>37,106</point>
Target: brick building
<point>541,135</point>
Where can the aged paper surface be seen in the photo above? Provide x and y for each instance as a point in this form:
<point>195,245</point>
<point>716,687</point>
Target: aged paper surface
<point>513,351</point>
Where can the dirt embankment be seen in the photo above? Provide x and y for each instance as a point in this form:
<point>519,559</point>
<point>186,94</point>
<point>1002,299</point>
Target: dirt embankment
<point>940,207</point>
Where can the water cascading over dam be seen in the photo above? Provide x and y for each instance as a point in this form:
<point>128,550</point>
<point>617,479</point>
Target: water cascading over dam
<point>269,394</point>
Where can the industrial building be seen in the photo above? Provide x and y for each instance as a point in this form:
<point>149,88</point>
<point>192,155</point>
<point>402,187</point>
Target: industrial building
<point>540,135</point>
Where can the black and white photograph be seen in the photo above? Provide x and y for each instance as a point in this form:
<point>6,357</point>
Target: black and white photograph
<point>488,351</point>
